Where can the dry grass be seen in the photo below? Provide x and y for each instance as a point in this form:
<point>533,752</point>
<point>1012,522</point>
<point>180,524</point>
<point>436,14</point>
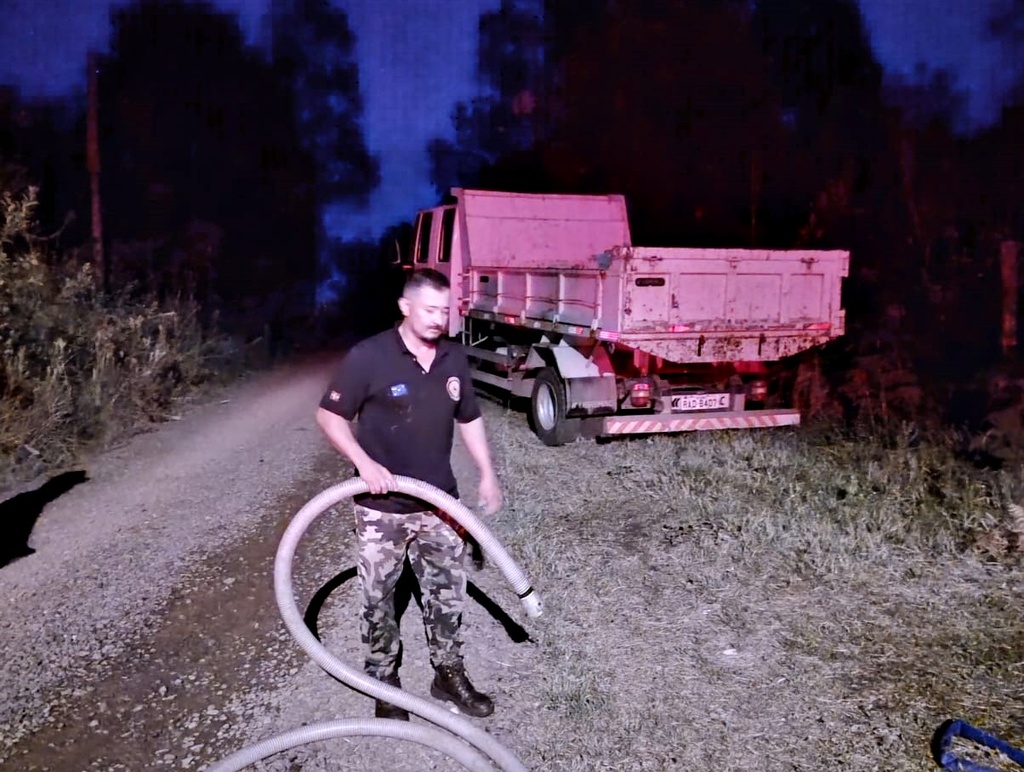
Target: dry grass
<point>79,368</point>
<point>759,600</point>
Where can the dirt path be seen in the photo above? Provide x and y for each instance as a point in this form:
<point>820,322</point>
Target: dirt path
<point>148,600</point>
<point>143,633</point>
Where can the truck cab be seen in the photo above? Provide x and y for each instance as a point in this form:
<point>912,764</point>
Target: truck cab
<point>437,243</point>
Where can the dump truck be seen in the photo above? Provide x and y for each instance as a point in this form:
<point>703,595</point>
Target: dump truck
<point>554,304</point>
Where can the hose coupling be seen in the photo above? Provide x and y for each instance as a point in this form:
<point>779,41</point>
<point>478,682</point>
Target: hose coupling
<point>532,603</point>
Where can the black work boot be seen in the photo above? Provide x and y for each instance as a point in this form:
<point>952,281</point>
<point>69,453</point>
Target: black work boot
<point>452,685</point>
<point>386,709</point>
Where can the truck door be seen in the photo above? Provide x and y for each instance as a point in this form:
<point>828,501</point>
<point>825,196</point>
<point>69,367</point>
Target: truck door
<point>445,242</point>
<point>434,244</point>
<point>424,228</point>
<point>449,262</point>
<point>437,247</point>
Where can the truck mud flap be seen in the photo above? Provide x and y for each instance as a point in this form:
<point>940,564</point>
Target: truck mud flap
<point>699,422</point>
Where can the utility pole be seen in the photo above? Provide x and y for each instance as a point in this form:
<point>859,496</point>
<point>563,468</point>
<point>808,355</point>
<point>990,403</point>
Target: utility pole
<point>92,160</point>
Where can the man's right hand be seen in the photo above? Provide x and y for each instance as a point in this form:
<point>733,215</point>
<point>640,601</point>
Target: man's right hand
<point>377,478</point>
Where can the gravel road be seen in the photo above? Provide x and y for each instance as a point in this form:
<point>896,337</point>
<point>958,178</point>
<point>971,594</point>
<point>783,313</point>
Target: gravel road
<point>143,632</point>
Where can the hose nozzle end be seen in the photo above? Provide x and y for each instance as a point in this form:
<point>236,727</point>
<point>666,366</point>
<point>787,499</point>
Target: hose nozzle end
<point>532,604</point>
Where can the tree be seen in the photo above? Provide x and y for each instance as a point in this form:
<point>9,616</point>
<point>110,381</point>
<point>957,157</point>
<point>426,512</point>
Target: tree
<point>647,103</point>
<point>846,160</point>
<point>1004,153</point>
<point>41,141</point>
<point>313,49</point>
<point>929,97</point>
<point>933,176</point>
<point>202,166</point>
<point>363,282</point>
<point>566,20</point>
<point>821,61</point>
<point>1007,27</point>
<point>503,119</point>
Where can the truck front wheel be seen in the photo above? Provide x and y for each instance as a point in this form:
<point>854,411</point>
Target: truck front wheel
<point>547,410</point>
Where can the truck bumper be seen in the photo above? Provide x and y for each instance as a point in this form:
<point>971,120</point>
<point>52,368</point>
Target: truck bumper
<point>698,422</point>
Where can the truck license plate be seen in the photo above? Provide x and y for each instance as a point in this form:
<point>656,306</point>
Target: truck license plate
<point>684,403</point>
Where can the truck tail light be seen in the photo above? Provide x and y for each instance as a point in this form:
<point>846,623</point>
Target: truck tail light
<point>757,391</point>
<point>640,394</point>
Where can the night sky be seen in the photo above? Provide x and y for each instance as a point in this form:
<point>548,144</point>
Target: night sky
<point>417,58</point>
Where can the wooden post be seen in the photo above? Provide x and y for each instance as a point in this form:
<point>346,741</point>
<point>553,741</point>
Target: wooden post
<point>1009,255</point>
<point>92,160</point>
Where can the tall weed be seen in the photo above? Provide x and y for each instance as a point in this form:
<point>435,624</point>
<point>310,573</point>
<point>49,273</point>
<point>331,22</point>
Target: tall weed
<point>78,367</point>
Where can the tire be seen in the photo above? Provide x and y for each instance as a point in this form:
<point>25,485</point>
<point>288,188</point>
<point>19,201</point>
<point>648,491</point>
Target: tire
<point>547,410</point>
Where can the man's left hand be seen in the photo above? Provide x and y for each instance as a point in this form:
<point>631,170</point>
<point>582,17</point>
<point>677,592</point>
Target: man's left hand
<point>490,495</point>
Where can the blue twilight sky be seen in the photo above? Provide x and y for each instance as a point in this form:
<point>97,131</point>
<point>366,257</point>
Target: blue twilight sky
<point>417,58</point>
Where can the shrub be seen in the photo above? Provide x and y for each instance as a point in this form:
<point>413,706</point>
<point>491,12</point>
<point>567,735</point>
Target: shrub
<point>78,368</point>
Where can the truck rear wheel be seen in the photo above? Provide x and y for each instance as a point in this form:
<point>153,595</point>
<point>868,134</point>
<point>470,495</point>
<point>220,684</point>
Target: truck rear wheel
<point>547,410</point>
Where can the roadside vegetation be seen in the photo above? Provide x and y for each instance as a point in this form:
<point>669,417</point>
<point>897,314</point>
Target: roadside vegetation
<point>81,368</point>
<point>801,599</point>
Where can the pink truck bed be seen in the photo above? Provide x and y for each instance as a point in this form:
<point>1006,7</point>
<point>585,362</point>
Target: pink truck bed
<point>566,263</point>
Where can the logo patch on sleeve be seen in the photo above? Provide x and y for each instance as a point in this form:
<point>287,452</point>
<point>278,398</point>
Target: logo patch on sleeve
<point>454,387</point>
<point>334,396</point>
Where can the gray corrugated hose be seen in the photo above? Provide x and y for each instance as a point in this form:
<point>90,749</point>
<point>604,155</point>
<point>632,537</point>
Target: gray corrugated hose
<point>486,752</point>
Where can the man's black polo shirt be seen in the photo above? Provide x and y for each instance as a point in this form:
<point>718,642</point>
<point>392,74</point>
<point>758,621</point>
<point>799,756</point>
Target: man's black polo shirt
<point>404,415</point>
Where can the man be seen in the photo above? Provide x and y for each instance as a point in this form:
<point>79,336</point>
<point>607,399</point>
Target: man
<point>408,387</point>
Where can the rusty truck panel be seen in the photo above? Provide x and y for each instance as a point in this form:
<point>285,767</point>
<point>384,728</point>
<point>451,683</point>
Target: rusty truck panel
<point>531,232</point>
<point>566,261</point>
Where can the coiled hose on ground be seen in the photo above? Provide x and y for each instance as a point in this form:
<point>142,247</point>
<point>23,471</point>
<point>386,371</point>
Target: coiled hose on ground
<point>483,752</point>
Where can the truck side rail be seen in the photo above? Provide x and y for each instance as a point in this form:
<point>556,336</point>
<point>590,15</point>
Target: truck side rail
<point>528,296</point>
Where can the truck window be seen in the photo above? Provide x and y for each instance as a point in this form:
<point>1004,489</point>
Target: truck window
<point>447,230</point>
<point>423,237</point>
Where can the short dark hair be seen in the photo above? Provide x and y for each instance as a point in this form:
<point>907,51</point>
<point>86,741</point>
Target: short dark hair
<point>426,277</point>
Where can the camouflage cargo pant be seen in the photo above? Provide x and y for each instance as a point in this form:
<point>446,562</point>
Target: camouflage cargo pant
<point>436,554</point>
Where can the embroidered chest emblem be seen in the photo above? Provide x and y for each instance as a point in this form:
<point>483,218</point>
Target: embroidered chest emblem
<point>454,387</point>
<point>399,390</point>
